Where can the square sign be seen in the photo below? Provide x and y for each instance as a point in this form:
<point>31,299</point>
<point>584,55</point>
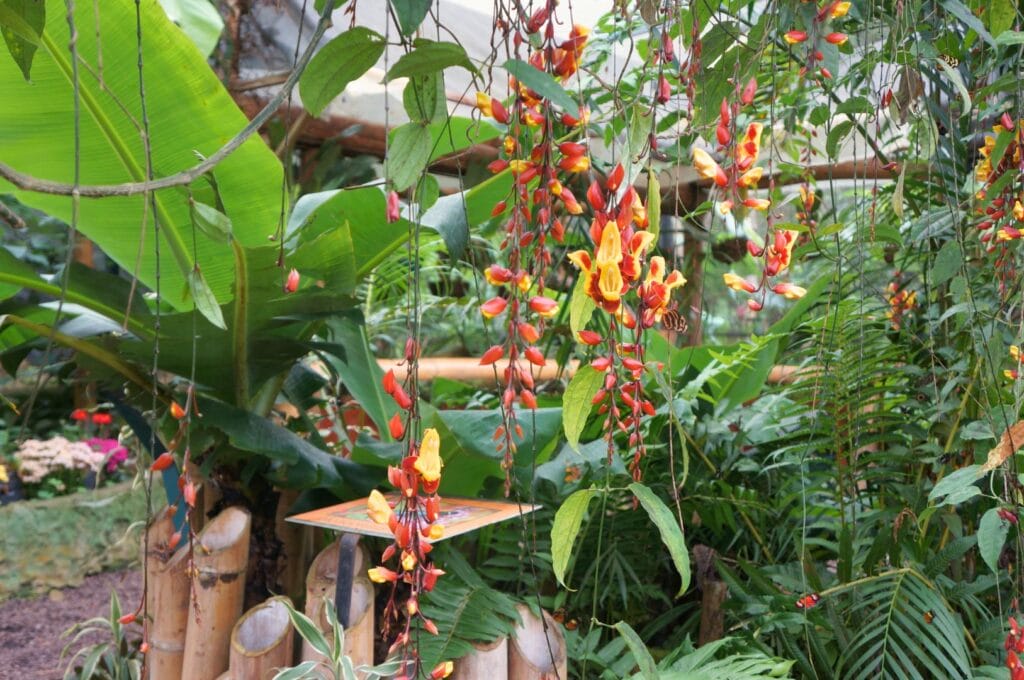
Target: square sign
<point>457,516</point>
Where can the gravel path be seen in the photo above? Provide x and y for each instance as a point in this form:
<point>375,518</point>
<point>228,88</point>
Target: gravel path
<point>30,630</point>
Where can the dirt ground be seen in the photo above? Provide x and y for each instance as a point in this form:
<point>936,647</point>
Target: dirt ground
<point>30,630</point>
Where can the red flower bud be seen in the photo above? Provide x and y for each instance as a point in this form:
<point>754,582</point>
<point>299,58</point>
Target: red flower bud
<point>724,113</point>
<point>291,284</point>
<point>126,619</point>
<point>595,196</point>
<point>402,399</point>
<point>664,91</point>
<point>1006,120</point>
<point>395,426</point>
<point>528,332</point>
<point>589,337</point>
<point>836,38</point>
<point>795,37</point>
<point>527,399</point>
<point>163,461</point>
<point>492,355</point>
<point>499,112</point>
<point>723,134</point>
<point>615,177</point>
<point>534,356</point>
<point>748,92</point>
<point>174,540</point>
<point>825,73</point>
<point>601,364</point>
<point>394,207</point>
<point>497,166</point>
<point>430,626</point>
<point>389,383</point>
<point>632,364</point>
<point>189,494</point>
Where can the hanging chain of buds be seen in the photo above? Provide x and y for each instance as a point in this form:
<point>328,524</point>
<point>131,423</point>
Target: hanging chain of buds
<point>999,200</point>
<point>1014,646</point>
<point>613,279</point>
<point>412,520</point>
<point>819,30</point>
<point>540,153</point>
<point>734,181</point>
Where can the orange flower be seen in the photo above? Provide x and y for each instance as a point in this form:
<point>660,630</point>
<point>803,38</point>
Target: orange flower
<point>795,37</point>
<point>836,38</point>
<point>707,167</point>
<point>738,283</point>
<point>493,307</point>
<point>789,291</point>
<point>544,306</point>
<point>483,102</point>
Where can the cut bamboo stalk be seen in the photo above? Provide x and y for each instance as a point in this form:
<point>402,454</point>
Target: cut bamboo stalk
<point>532,655</point>
<point>296,548</point>
<point>321,582</point>
<point>220,559</point>
<point>261,642</point>
<point>166,601</point>
<point>488,660</point>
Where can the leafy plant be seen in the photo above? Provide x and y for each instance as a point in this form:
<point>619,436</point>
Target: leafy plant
<point>116,658</point>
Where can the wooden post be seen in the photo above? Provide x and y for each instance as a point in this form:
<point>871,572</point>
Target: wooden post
<point>296,549</point>
<point>534,655</point>
<point>220,559</point>
<point>320,583</point>
<point>166,601</point>
<point>261,642</point>
<point>485,661</point>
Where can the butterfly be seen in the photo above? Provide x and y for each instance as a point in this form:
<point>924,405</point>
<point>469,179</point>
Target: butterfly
<point>808,601</point>
<point>672,320</point>
<point>950,60</point>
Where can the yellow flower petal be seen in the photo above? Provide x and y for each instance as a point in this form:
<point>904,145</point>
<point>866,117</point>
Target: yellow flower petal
<point>610,251</point>
<point>428,462</point>
<point>377,508</point>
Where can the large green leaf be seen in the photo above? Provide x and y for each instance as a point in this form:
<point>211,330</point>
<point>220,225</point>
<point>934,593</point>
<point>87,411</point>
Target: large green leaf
<point>189,112</point>
<point>566,527</point>
<point>430,57</point>
<point>339,62</point>
<point>668,527</point>
<point>295,463</point>
<point>576,402</point>
<point>100,292</point>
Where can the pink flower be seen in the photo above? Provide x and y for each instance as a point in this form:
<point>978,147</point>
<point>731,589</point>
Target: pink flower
<point>393,207</point>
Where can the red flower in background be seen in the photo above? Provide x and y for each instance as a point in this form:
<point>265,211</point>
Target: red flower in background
<point>102,419</point>
<point>79,414</point>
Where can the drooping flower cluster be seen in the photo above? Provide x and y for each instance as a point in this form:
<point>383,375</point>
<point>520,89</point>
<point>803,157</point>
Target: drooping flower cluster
<point>1000,203</point>
<point>738,177</point>
<point>901,301</point>
<point>735,180</point>
<point>412,518</point>
<point>819,30</point>
<point>1014,646</point>
<point>613,276</point>
<point>539,152</point>
<point>1013,373</point>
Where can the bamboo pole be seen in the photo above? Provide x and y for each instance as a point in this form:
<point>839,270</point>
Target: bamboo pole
<point>167,590</point>
<point>488,660</point>
<point>220,559</point>
<point>468,369</point>
<point>262,641</point>
<point>534,655</point>
<point>321,583</point>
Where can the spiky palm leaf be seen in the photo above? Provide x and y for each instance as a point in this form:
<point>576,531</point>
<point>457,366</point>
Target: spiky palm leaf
<point>902,628</point>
